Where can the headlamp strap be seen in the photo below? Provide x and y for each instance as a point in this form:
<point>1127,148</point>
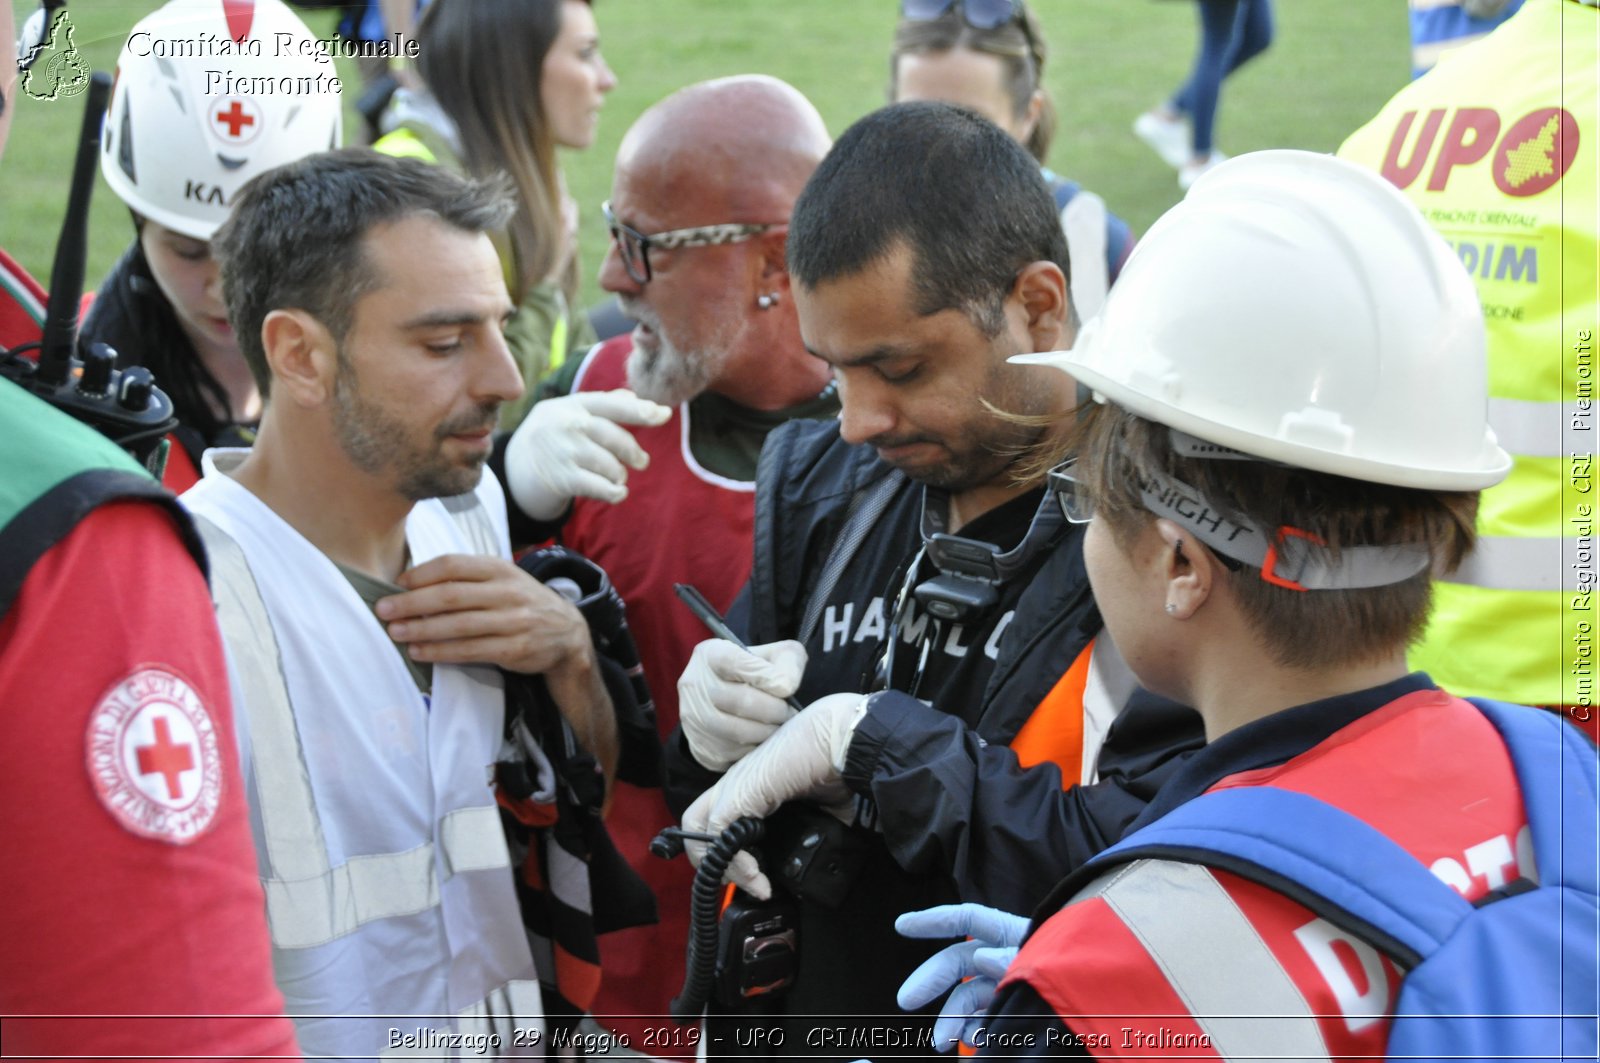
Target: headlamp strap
<point>1287,557</point>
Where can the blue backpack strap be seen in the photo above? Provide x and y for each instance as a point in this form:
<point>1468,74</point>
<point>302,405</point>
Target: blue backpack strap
<point>1338,866</point>
<point>1557,770</point>
<point>1062,188</point>
<point>1354,876</point>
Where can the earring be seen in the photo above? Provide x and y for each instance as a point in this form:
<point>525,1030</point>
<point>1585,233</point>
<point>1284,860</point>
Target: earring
<point>1171,608</point>
<point>767,302</point>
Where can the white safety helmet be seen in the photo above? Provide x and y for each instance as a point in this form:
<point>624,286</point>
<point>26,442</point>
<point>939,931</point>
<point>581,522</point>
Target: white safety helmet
<point>192,118</point>
<point>1296,307</point>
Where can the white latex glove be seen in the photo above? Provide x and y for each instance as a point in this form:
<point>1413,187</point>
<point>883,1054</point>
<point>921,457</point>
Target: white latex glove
<point>574,447</point>
<point>972,969</point>
<point>730,699</point>
<point>802,759</point>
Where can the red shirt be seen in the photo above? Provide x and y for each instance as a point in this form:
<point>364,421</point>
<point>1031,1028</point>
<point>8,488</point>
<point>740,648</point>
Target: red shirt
<point>22,304</point>
<point>130,878</point>
<point>679,524</point>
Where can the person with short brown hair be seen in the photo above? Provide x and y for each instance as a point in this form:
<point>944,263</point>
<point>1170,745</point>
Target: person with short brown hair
<point>1123,456</point>
<point>1267,505</point>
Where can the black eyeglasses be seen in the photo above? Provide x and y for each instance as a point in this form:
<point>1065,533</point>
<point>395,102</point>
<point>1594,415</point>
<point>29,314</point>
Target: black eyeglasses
<point>1075,503</point>
<point>979,14</point>
<point>633,246</point>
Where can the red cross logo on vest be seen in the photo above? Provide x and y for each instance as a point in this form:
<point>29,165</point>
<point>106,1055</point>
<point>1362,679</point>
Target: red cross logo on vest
<point>154,756</point>
<point>235,120</point>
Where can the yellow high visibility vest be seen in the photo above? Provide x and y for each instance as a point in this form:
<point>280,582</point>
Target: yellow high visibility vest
<point>1498,148</point>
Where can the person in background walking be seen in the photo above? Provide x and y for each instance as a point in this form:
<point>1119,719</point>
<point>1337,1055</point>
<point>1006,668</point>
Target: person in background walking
<point>1232,32</point>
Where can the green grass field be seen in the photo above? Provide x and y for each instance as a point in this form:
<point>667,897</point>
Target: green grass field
<point>1330,68</point>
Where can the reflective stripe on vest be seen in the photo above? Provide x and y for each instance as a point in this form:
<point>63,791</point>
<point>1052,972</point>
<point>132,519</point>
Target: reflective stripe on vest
<point>1185,919</point>
<point>1533,429</point>
<point>310,903</point>
<point>558,339</point>
<point>1526,564</point>
<point>403,144</point>
<point>292,834</point>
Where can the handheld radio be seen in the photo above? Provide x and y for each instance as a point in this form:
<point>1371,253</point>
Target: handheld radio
<point>122,404</point>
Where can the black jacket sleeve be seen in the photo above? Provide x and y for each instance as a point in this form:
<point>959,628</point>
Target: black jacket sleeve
<point>949,802</point>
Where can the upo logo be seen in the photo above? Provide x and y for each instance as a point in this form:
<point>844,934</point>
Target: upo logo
<point>1528,158</point>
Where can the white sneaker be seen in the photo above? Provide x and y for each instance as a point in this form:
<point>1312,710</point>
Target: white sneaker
<point>1190,172</point>
<point>1169,138</point>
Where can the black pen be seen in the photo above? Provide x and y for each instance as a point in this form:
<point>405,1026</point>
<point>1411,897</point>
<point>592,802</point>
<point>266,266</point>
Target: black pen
<point>716,625</point>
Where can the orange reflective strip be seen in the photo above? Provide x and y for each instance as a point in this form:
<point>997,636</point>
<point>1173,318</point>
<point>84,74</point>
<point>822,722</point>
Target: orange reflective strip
<point>528,813</point>
<point>1054,733</point>
<point>577,978</point>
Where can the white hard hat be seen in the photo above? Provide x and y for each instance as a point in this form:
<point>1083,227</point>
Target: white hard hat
<point>1296,307</point>
<point>192,118</point>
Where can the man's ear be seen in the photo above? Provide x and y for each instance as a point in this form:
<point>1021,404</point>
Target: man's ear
<point>1041,291</point>
<point>772,265</point>
<point>301,355</point>
<point>1030,120</point>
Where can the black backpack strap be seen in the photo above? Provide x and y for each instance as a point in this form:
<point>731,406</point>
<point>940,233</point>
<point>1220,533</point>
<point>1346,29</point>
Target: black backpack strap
<point>866,506</point>
<point>51,517</point>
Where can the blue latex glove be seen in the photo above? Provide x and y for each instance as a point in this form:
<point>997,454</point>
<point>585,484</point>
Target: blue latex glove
<point>995,935</point>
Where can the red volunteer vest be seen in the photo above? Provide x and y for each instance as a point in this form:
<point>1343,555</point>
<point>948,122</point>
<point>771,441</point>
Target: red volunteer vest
<point>22,303</point>
<point>679,524</point>
<point>1428,770</point>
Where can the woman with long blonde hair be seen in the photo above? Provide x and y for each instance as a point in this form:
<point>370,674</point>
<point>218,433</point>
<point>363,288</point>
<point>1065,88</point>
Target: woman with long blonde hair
<point>507,83</point>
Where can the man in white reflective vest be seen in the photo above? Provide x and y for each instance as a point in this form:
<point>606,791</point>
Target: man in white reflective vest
<point>364,584</point>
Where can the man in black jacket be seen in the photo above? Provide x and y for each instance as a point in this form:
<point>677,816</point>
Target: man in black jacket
<point>913,554</point>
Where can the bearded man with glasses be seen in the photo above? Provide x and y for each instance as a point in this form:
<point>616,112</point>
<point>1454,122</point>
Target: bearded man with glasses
<point>647,465</point>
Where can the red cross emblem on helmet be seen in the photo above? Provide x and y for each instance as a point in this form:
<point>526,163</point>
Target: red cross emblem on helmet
<point>235,119</point>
